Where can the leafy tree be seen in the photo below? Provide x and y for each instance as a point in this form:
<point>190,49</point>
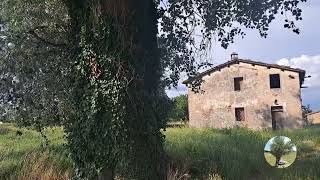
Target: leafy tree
<point>305,111</point>
<point>280,148</point>
<point>6,94</point>
<point>35,68</point>
<point>106,64</point>
<point>179,110</point>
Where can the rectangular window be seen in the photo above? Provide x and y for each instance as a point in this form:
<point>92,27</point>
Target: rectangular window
<point>274,81</point>
<point>239,114</point>
<point>238,83</point>
<point>276,108</point>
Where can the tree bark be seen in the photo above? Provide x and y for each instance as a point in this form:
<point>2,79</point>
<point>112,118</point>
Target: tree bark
<point>133,27</point>
<point>106,174</point>
<point>143,90</point>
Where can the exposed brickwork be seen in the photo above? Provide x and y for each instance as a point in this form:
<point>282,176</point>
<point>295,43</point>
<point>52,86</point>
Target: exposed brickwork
<point>216,106</point>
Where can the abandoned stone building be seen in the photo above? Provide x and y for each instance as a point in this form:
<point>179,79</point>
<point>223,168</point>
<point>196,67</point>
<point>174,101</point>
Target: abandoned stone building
<point>247,93</point>
<point>314,117</point>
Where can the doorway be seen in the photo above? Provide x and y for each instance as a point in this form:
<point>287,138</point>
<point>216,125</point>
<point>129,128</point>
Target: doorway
<point>277,117</point>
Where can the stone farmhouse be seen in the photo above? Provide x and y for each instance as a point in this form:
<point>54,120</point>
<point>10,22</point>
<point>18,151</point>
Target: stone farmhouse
<point>314,117</point>
<point>248,93</point>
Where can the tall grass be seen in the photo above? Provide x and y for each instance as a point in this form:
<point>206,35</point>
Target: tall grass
<point>238,153</point>
<point>193,153</point>
<point>23,157</point>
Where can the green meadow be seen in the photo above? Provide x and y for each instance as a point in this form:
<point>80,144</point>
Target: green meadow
<point>23,157</point>
<point>195,153</point>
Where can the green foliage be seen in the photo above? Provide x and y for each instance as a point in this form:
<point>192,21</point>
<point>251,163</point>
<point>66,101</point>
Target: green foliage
<point>116,92</point>
<point>181,21</point>
<point>98,101</point>
<point>35,69</point>
<point>280,147</point>
<point>179,109</point>
<point>305,111</point>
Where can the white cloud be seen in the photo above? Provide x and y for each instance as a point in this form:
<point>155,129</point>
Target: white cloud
<point>173,92</point>
<point>311,64</point>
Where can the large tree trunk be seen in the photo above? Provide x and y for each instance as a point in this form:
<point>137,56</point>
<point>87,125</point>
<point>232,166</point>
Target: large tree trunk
<point>143,94</point>
<point>130,30</point>
<point>106,174</point>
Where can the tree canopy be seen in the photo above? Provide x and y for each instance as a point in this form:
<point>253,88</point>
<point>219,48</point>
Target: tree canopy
<point>305,111</point>
<point>189,27</point>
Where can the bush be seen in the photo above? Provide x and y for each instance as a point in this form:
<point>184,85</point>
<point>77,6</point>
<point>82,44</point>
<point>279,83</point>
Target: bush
<point>305,111</point>
<point>179,108</point>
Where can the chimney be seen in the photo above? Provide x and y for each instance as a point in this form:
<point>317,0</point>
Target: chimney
<point>234,56</point>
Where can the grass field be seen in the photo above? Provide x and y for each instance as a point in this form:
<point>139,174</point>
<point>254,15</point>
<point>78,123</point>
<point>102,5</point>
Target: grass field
<point>239,153</point>
<point>22,157</point>
<point>202,153</point>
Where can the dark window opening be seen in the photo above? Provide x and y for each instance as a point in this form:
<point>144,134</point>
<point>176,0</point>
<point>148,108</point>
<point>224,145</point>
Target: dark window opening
<point>239,113</point>
<point>238,83</point>
<point>274,81</point>
<point>276,108</point>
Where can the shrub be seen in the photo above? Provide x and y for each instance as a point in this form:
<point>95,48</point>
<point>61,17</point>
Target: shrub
<point>179,109</point>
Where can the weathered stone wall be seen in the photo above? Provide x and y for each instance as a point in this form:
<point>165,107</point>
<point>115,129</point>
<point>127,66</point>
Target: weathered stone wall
<point>314,118</point>
<point>216,106</point>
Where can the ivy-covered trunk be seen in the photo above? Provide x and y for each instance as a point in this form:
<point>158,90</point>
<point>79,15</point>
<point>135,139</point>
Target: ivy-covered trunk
<point>116,122</point>
<point>106,174</point>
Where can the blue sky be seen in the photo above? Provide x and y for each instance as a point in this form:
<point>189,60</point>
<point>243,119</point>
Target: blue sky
<point>281,47</point>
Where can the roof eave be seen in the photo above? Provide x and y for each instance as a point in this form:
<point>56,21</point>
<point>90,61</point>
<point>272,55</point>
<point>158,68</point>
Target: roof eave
<point>313,113</point>
<point>209,71</point>
<point>300,71</point>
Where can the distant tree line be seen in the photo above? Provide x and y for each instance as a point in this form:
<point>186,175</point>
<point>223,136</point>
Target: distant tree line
<point>178,109</point>
<point>305,111</point>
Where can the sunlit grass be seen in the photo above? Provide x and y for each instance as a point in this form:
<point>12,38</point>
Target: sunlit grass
<point>270,158</point>
<point>239,153</point>
<point>201,153</point>
<point>23,156</point>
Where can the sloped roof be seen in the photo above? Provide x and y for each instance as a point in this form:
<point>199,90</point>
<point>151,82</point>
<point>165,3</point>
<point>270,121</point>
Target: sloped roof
<point>237,61</point>
<point>313,113</point>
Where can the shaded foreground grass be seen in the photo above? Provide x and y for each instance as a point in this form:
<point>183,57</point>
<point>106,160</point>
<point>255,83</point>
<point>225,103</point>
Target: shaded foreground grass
<point>201,153</point>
